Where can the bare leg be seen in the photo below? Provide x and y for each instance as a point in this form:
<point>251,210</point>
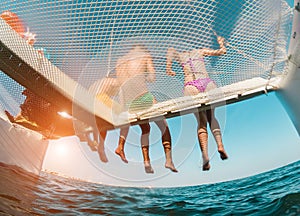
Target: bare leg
<point>216,131</point>
<point>122,139</point>
<point>100,148</point>
<point>221,150</point>
<point>203,139</point>
<point>92,143</point>
<point>166,141</point>
<point>145,147</point>
<point>168,152</point>
<point>147,164</point>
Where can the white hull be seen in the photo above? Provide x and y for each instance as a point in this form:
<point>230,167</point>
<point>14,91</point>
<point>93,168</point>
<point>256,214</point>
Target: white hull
<point>290,87</point>
<point>20,146</point>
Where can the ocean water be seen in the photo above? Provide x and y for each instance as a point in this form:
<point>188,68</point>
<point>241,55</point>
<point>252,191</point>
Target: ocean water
<point>275,192</point>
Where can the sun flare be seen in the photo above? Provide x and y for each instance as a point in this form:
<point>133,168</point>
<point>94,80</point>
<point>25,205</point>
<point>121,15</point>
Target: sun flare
<point>61,149</point>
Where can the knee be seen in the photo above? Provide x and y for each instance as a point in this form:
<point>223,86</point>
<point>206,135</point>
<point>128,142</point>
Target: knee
<point>202,130</point>
<point>216,131</point>
<point>190,90</point>
<point>167,145</point>
<point>210,86</point>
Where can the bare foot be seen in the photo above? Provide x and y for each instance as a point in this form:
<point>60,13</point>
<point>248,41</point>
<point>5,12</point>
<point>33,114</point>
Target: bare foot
<point>120,152</point>
<point>170,165</point>
<point>148,168</point>
<point>223,154</point>
<point>206,166</point>
<point>102,154</point>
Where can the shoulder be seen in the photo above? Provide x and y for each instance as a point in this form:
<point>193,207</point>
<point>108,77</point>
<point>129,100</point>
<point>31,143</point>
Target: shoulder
<point>121,61</point>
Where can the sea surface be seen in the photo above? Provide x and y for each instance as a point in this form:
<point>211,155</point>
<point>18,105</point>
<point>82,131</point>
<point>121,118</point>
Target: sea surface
<point>276,192</point>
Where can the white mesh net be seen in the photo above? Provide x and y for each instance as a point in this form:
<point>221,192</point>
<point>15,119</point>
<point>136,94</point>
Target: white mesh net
<point>86,38</point>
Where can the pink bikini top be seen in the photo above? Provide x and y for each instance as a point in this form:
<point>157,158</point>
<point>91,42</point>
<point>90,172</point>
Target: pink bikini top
<point>190,63</point>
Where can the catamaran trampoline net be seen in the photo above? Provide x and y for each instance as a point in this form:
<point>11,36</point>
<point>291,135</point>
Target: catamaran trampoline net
<point>84,39</point>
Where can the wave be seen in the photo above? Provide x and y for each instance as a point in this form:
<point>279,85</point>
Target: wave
<point>276,192</point>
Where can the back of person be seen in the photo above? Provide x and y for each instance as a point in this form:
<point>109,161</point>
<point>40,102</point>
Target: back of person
<point>133,63</point>
<point>132,72</point>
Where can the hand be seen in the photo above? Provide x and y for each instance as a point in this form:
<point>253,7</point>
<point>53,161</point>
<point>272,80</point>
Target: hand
<point>171,73</point>
<point>220,39</point>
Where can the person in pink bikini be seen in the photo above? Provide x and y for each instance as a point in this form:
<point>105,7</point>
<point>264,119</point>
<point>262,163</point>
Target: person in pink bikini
<point>196,80</point>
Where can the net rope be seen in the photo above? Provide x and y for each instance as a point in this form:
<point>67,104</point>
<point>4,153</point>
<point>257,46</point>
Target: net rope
<point>85,39</point>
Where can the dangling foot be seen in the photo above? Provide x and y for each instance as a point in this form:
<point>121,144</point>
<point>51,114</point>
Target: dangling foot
<point>121,153</point>
<point>168,153</point>
<point>102,154</point>
<point>223,154</point>
<point>206,166</point>
<point>170,165</point>
<point>148,168</point>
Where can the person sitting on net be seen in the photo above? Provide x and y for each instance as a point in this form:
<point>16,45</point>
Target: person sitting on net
<point>133,71</point>
<point>196,80</point>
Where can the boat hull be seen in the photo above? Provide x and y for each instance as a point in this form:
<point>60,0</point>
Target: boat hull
<point>20,146</point>
<point>290,85</point>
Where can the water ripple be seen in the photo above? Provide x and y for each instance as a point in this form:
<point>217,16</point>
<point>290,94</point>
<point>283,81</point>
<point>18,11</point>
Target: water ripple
<point>276,192</point>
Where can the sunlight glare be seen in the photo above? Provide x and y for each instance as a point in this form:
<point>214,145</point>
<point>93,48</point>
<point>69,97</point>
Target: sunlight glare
<point>61,149</point>
<point>65,115</point>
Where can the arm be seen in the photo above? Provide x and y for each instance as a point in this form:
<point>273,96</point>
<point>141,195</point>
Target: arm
<point>150,69</point>
<point>211,52</point>
<point>171,54</point>
<point>120,72</point>
<point>110,86</point>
